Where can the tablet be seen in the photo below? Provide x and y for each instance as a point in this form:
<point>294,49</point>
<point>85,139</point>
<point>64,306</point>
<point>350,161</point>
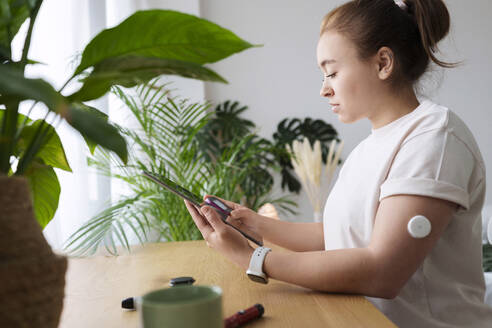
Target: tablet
<point>196,200</point>
<point>175,188</point>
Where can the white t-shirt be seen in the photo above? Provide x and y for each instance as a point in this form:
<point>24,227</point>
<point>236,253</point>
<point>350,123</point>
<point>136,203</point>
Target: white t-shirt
<point>428,152</point>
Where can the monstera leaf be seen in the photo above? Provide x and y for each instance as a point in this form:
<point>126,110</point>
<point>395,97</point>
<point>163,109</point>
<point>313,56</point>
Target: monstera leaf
<point>224,126</point>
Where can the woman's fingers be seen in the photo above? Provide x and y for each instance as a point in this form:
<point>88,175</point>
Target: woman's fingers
<point>213,218</point>
<point>234,222</point>
<point>241,213</point>
<point>243,220</point>
<point>228,203</point>
<point>201,223</point>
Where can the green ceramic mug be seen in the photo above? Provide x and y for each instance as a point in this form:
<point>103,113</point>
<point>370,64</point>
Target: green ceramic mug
<point>182,306</point>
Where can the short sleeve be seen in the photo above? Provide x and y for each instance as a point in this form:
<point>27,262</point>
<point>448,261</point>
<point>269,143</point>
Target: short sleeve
<point>434,163</point>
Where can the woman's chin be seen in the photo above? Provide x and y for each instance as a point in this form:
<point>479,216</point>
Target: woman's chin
<point>347,119</point>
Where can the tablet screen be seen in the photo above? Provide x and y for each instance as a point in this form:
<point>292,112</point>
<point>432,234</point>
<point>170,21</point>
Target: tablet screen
<point>175,188</point>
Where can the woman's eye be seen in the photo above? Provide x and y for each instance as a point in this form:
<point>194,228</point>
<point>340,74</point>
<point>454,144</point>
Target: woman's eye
<point>329,76</point>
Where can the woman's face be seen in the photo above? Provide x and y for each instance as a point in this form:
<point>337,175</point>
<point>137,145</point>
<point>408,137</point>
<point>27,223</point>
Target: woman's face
<point>349,83</point>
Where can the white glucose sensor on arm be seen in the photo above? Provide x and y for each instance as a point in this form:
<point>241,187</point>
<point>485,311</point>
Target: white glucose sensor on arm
<point>419,226</point>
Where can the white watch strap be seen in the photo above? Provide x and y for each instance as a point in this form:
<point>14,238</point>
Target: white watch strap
<point>257,259</point>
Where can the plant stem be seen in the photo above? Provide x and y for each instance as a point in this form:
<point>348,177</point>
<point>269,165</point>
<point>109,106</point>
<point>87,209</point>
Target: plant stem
<point>27,41</point>
<point>24,122</point>
<point>9,125</point>
<point>9,38</point>
<point>34,146</point>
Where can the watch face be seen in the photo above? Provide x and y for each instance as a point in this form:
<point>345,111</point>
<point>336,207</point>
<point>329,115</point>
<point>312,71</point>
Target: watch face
<point>256,278</point>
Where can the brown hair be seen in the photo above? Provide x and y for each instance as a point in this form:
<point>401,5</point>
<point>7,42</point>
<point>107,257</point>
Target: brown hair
<point>412,33</point>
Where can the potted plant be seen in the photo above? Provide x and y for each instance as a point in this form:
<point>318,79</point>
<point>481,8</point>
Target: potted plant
<point>140,48</point>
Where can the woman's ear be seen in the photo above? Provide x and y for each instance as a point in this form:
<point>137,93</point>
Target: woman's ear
<point>385,60</point>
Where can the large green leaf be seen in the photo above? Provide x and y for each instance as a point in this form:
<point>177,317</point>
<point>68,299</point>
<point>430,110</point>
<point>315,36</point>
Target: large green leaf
<point>163,34</point>
<point>93,127</point>
<point>129,71</point>
<point>14,84</point>
<point>91,144</point>
<point>51,151</point>
<point>45,191</point>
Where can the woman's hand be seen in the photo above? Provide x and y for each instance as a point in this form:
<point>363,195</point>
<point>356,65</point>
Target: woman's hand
<point>243,218</point>
<point>220,236</point>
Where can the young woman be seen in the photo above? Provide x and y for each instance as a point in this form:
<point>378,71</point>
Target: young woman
<point>420,160</point>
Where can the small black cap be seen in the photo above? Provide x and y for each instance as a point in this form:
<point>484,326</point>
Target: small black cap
<point>128,303</point>
<point>260,308</point>
<point>181,281</point>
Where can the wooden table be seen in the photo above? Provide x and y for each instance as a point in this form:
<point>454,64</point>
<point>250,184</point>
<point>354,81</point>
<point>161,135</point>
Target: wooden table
<point>95,287</point>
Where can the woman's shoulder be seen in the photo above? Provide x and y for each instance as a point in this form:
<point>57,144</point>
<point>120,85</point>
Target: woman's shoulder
<point>431,116</point>
<point>439,120</point>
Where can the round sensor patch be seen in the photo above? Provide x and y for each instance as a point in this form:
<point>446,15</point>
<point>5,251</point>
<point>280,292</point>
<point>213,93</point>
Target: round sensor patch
<point>419,226</point>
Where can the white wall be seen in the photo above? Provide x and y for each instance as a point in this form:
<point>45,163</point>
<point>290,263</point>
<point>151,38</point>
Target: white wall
<point>281,79</point>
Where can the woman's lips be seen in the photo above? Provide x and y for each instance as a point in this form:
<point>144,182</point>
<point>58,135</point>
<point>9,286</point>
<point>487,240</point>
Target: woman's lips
<point>335,107</point>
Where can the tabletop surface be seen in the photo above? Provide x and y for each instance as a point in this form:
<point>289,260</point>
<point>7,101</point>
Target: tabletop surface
<point>96,286</point>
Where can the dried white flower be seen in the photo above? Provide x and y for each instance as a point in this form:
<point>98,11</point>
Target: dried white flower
<point>307,163</point>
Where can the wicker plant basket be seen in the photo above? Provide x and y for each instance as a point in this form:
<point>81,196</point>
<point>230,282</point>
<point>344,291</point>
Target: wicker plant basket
<point>32,277</point>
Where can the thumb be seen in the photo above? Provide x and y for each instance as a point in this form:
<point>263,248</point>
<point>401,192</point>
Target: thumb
<point>213,218</point>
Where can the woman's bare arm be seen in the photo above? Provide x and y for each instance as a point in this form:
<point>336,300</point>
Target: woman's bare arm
<point>298,237</point>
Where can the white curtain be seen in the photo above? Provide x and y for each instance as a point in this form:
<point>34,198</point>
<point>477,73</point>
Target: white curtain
<point>62,30</point>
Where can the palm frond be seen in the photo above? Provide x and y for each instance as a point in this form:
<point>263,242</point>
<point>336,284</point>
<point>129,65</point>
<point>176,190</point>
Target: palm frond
<point>93,234</point>
<point>163,143</point>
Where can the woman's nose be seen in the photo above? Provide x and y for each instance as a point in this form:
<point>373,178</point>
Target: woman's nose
<point>326,91</point>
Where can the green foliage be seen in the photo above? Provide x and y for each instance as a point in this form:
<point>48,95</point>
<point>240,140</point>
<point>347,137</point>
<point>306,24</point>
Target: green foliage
<point>161,142</point>
<point>166,142</point>
<point>13,13</point>
<point>14,85</point>
<point>102,117</point>
<point>51,152</point>
<point>226,125</point>
<point>146,45</point>
<point>128,71</point>
<point>487,257</point>
<point>171,35</point>
<point>45,189</point>
<point>98,130</point>
<point>239,174</point>
<point>225,132</point>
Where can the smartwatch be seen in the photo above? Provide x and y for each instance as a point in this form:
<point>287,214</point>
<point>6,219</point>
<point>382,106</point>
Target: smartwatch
<point>255,270</point>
